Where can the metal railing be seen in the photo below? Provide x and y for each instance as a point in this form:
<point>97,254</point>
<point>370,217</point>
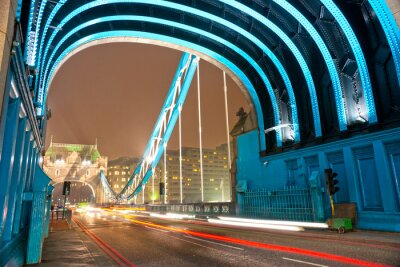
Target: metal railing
<point>289,203</point>
<point>60,214</point>
<point>220,208</point>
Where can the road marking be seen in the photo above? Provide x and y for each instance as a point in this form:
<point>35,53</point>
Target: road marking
<point>305,262</point>
<point>188,241</point>
<point>152,228</point>
<point>192,237</point>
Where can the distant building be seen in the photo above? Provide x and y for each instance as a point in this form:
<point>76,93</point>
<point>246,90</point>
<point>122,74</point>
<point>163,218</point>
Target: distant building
<point>119,171</point>
<point>215,175</point>
<point>77,163</point>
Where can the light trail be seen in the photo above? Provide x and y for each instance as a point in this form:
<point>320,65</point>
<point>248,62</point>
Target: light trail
<point>265,246</point>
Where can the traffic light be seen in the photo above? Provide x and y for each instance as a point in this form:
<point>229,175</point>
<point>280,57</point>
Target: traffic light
<point>331,182</point>
<point>66,188</point>
<point>162,189</point>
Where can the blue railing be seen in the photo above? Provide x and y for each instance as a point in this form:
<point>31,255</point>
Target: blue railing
<point>290,203</point>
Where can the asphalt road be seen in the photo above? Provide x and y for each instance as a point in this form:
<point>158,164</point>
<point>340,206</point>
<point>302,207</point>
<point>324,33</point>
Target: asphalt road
<point>147,241</point>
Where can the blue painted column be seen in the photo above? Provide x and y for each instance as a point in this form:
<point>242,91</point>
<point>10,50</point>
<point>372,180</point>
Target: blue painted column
<point>20,189</point>
<point>386,183</point>
<point>48,210</point>
<point>4,112</point>
<point>316,197</point>
<point>324,164</point>
<point>37,218</point>
<point>15,178</point>
<point>352,174</point>
<point>26,206</point>
<point>7,158</point>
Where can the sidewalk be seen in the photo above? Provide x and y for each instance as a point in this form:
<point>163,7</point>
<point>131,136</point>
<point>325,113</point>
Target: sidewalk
<point>69,246</point>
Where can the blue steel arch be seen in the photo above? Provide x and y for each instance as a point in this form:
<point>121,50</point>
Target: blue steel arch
<point>236,28</point>
<point>180,42</point>
<point>341,20</point>
<point>268,52</point>
<point>391,30</point>
<point>178,25</point>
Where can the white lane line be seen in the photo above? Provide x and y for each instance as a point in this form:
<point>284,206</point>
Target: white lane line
<point>305,262</point>
<point>192,237</point>
<point>188,241</point>
<point>152,228</point>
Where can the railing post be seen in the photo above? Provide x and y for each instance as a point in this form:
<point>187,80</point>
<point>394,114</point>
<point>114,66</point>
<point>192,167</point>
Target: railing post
<point>316,197</point>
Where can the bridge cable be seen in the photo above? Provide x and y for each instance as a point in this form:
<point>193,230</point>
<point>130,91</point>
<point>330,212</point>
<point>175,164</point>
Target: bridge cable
<point>200,140</point>
<point>227,135</point>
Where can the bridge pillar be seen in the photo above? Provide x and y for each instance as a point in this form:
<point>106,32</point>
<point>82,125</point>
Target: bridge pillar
<point>7,158</point>
<point>15,177</point>
<point>21,186</point>
<point>38,216</point>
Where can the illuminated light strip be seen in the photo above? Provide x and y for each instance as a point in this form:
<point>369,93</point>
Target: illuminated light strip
<point>39,62</point>
<point>172,216</point>
<point>176,41</point>
<point>390,29</point>
<point>257,225</point>
<point>340,106</point>
<point>285,249</point>
<point>173,24</point>
<point>275,222</point>
<point>28,46</point>
<point>32,61</point>
<point>359,56</point>
<point>251,38</point>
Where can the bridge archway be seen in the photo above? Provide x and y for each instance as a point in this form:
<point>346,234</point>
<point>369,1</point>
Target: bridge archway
<point>76,185</point>
<point>312,84</point>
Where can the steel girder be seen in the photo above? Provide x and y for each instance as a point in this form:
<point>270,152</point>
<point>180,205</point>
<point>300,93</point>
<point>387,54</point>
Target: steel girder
<point>274,44</point>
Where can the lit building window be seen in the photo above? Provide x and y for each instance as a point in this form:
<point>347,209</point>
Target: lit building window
<point>116,172</point>
<point>211,180</point>
<point>123,179</point>
<point>109,173</point>
<point>116,186</point>
<point>123,172</point>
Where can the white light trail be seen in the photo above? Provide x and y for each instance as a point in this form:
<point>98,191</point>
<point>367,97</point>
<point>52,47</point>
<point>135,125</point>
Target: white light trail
<point>276,222</point>
<point>258,225</point>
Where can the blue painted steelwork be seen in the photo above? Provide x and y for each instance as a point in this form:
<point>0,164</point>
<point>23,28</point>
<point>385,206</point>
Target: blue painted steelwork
<point>16,177</point>
<point>8,152</point>
<point>176,41</point>
<point>340,106</point>
<point>163,127</point>
<point>42,87</point>
<point>359,56</point>
<point>28,40</point>
<point>391,30</point>
<point>21,185</point>
<point>32,60</point>
<point>169,126</point>
<point>247,35</point>
<point>178,25</point>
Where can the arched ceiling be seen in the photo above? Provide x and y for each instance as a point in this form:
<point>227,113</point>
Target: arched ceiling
<point>314,69</point>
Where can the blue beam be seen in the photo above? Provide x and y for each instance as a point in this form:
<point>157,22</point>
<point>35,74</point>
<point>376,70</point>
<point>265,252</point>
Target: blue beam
<point>24,173</point>
<point>7,158</point>
<point>171,124</point>
<point>390,29</point>
<point>16,178</point>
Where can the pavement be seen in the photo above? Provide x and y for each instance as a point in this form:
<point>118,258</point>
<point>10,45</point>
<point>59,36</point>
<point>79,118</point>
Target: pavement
<point>67,245</point>
<point>106,239</point>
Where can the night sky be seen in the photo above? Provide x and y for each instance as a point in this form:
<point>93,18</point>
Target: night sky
<point>114,92</point>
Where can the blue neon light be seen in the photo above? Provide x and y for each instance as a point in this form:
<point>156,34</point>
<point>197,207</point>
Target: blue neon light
<point>182,26</point>
<point>391,30</point>
<point>321,45</point>
<point>176,41</point>
<point>359,56</point>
